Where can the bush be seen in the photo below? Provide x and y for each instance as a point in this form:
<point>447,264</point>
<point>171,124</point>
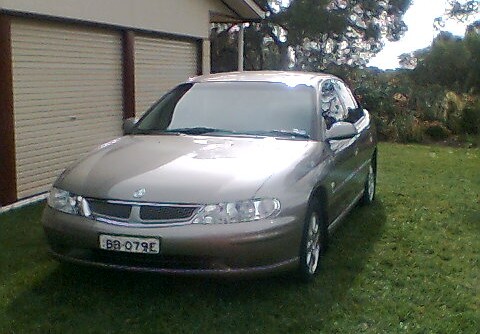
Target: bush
<point>428,102</point>
<point>436,130</point>
<point>408,129</point>
<point>471,119</point>
<point>454,105</point>
<point>406,111</point>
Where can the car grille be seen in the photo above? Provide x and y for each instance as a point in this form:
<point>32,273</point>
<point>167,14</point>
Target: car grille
<point>166,212</point>
<point>104,208</point>
<point>140,213</point>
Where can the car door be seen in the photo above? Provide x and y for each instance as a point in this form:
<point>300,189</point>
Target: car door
<point>340,181</point>
<point>363,141</point>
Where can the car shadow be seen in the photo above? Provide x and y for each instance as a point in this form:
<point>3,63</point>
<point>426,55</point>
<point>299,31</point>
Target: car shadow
<point>72,296</point>
<point>471,218</point>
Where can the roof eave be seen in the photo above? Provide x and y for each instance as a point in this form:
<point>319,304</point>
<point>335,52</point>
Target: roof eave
<point>246,10</point>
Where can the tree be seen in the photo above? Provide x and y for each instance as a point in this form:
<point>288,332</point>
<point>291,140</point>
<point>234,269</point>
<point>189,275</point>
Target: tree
<point>452,62</point>
<point>313,34</point>
<point>461,11</point>
<point>408,60</point>
<point>472,43</point>
<point>223,49</point>
<point>443,63</point>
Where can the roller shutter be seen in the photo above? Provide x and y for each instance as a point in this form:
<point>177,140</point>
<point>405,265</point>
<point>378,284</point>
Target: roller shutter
<point>67,83</point>
<point>160,64</point>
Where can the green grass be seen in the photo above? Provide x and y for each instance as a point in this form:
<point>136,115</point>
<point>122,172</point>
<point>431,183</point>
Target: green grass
<point>409,263</point>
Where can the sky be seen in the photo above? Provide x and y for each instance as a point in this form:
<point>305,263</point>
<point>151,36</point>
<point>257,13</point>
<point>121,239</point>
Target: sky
<point>419,19</point>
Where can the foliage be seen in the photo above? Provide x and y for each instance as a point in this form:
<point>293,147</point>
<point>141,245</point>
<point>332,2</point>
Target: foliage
<point>449,62</point>
<point>436,130</point>
<point>438,99</point>
<point>471,119</point>
<point>408,111</point>
<point>400,265</point>
<point>311,34</point>
<point>460,10</point>
<point>223,49</point>
<point>472,43</point>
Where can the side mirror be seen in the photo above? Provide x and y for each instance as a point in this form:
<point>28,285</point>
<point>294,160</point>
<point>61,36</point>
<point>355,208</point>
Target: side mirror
<point>128,125</point>
<point>355,114</point>
<point>341,130</point>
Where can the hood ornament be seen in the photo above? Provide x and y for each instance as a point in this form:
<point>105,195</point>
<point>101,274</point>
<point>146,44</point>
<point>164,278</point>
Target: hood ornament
<point>139,193</point>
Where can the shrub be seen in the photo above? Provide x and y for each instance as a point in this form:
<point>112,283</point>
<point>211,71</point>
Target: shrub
<point>454,105</point>
<point>436,130</point>
<point>406,111</point>
<point>427,101</point>
<point>471,119</point>
<point>408,129</point>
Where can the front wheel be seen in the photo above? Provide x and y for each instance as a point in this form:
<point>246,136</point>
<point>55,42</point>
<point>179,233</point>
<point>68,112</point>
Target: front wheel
<point>370,185</point>
<point>314,242</point>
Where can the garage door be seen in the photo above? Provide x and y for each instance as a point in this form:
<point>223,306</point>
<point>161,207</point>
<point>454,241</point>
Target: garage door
<point>160,64</point>
<point>67,83</point>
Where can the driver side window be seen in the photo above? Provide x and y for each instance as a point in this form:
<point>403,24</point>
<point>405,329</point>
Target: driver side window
<point>332,108</point>
<point>354,111</point>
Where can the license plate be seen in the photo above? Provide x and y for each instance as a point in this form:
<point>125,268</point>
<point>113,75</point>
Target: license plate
<point>129,244</point>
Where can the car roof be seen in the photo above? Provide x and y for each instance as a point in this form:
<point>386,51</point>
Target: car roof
<point>285,77</point>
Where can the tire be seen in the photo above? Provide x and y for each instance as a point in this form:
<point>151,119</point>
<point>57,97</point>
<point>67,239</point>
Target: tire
<point>314,242</point>
<point>370,184</point>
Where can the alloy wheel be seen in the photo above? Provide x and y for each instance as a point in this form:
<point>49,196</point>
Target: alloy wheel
<point>371,184</point>
<point>313,244</point>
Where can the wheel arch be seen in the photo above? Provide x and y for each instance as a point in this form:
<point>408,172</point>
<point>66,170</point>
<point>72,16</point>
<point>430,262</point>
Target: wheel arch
<point>320,195</point>
<point>374,159</point>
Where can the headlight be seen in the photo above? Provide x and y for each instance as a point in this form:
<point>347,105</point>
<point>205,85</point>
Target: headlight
<point>237,212</point>
<point>64,201</point>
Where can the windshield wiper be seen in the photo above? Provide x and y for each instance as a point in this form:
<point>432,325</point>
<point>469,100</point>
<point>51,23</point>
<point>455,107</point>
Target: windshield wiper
<point>151,132</point>
<point>187,131</point>
<point>197,130</point>
<point>282,133</point>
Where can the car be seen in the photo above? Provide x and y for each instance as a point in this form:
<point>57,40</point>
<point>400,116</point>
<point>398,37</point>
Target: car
<point>227,174</point>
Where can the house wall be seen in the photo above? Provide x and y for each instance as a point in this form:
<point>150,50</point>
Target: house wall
<point>179,17</point>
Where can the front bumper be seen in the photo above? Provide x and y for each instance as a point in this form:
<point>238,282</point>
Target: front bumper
<point>264,246</point>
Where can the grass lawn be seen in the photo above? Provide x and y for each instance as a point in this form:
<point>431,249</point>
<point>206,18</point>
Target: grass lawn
<point>409,263</point>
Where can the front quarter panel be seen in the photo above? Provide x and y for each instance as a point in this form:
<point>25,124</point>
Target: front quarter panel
<point>293,186</point>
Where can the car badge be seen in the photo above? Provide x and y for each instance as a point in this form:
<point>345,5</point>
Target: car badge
<point>139,193</point>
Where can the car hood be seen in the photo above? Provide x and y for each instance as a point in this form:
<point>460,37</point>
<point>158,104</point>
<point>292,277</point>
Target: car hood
<point>181,168</point>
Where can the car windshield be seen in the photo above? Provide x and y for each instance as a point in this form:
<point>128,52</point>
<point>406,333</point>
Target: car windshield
<point>233,108</point>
